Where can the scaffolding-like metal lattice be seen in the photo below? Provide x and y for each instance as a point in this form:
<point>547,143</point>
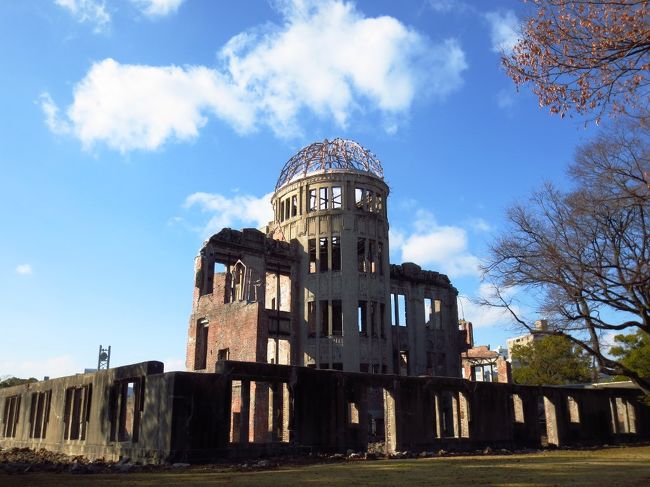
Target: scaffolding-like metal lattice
<point>328,155</point>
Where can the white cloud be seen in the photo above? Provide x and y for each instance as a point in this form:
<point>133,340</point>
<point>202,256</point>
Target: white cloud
<point>90,11</point>
<point>505,30</point>
<point>485,316</point>
<point>443,247</point>
<point>140,107</point>
<point>326,59</point>
<point>24,269</point>
<point>158,8</point>
<point>226,212</point>
<point>58,366</point>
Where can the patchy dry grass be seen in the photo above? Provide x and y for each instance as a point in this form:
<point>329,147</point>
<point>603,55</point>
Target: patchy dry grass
<point>608,467</point>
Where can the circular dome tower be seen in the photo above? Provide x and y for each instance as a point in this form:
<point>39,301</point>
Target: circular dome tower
<point>331,199</point>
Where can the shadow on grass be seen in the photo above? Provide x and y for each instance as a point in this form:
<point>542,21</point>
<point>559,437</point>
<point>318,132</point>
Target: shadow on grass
<point>611,467</point>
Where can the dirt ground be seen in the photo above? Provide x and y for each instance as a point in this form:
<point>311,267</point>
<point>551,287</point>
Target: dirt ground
<point>619,466</point>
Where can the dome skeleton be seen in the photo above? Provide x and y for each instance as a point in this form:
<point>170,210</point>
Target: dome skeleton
<point>329,155</point>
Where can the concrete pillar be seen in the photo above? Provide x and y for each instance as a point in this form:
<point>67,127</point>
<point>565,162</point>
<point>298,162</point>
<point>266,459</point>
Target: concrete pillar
<point>390,422</point>
<point>464,415</point>
<point>552,427</point>
<point>245,411</point>
<point>455,413</point>
<point>437,414</point>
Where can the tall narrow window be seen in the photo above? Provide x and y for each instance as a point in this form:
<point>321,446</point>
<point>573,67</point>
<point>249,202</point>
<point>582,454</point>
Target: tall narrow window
<point>362,317</point>
<point>322,254</point>
<point>322,199</point>
<point>201,345</point>
<point>399,309</point>
<point>287,209</point>
<point>312,200</point>
<point>336,253</point>
<point>373,319</point>
<point>359,197</point>
<point>428,311</point>
<point>294,205</point>
<point>282,210</point>
<point>10,416</point>
<point>437,314</point>
<point>382,319</point>
<point>311,318</point>
<point>337,200</point>
<point>324,319</point>
<point>371,256</point>
<point>337,317</point>
<point>76,412</point>
<point>361,255</point>
<point>380,258</point>
<point>370,201</point>
<point>311,244</point>
<point>39,414</point>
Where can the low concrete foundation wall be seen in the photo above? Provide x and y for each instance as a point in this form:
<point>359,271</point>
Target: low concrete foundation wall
<point>250,409</point>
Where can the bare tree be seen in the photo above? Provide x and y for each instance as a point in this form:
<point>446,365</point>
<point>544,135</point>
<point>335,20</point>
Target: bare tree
<point>583,255</point>
<point>585,55</point>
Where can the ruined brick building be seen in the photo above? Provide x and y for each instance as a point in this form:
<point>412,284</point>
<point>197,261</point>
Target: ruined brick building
<point>316,288</point>
<point>304,338</point>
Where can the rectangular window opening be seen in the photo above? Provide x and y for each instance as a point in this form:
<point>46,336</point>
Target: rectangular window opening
<point>223,354</point>
<point>311,244</point>
<point>337,200</point>
<point>322,254</point>
<point>428,311</point>
<point>437,314</point>
<point>312,200</point>
<point>324,319</point>
<point>361,255</point>
<point>336,253</point>
<point>337,317</point>
<point>39,414</point>
<point>10,416</point>
<point>359,197</point>
<point>311,318</point>
<point>201,344</point>
<point>322,199</point>
<point>294,205</point>
<point>353,413</point>
<point>362,317</point>
<point>401,309</point>
<point>371,256</point>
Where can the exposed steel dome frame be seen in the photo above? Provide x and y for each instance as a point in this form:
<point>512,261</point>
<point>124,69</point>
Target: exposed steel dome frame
<point>328,155</point>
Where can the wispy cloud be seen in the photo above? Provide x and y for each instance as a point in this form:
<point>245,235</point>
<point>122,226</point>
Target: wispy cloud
<point>505,29</point>
<point>446,6</point>
<point>93,12</point>
<point>24,269</point>
<point>158,8</point>
<point>505,99</point>
<point>224,211</point>
<point>326,59</point>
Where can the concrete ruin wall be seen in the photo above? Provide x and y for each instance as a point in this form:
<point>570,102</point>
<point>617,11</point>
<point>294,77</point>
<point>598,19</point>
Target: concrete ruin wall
<point>139,412</point>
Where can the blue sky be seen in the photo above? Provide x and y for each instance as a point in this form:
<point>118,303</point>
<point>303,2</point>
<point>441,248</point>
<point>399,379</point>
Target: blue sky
<point>131,130</point>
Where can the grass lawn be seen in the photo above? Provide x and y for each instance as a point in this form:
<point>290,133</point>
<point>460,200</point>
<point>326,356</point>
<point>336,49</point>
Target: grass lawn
<point>629,466</point>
